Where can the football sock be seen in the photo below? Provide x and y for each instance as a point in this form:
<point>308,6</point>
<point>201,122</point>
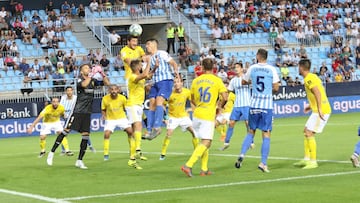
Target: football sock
<point>58,141</point>
<point>137,137</point>
<point>205,160</point>
<point>265,149</point>
<point>357,148</point>
<point>306,149</point>
<point>165,144</point>
<point>106,146</point>
<point>65,144</point>
<point>198,152</point>
<point>150,120</point>
<point>246,143</point>
<point>89,142</point>
<point>195,142</point>
<point>312,147</point>
<point>132,147</point>
<point>42,145</point>
<point>83,146</point>
<point>159,114</point>
<point>229,134</point>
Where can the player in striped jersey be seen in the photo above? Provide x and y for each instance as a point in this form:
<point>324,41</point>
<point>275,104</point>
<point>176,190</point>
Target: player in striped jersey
<point>241,104</point>
<point>68,100</point>
<point>265,81</point>
<point>164,67</point>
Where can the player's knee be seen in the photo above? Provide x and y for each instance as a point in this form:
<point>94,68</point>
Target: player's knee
<point>232,123</point>
<point>42,137</point>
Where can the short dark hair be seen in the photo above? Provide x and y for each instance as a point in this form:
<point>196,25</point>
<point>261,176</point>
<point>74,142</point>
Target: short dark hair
<point>68,87</point>
<point>262,53</point>
<point>208,64</point>
<point>129,37</point>
<point>240,64</point>
<point>134,64</point>
<point>305,63</point>
<point>153,40</point>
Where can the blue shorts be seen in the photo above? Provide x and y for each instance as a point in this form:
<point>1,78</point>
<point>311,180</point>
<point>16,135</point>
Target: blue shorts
<point>260,119</point>
<point>162,88</point>
<point>240,113</point>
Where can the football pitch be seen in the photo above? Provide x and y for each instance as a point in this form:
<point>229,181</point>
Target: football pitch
<point>26,178</point>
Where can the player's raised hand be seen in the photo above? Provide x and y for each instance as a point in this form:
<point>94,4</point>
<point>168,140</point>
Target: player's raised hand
<point>146,58</point>
<point>307,109</point>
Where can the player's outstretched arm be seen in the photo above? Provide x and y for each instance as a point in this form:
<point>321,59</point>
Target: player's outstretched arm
<point>36,121</point>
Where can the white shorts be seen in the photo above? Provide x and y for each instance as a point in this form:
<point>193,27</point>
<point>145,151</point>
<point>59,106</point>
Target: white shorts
<point>224,116</point>
<point>204,129</point>
<point>46,128</point>
<point>184,123</point>
<point>134,113</point>
<point>121,123</point>
<point>315,123</point>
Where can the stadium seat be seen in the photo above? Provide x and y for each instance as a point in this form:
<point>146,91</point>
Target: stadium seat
<point>2,74</point>
<point>7,80</point>
<point>191,69</point>
<point>10,73</point>
<point>35,85</point>
<point>115,74</point>
<point>161,12</point>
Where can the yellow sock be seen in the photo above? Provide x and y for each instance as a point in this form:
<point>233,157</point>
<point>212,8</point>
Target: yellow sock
<point>198,152</point>
<point>166,143</point>
<point>106,146</point>
<point>132,147</point>
<point>137,135</point>
<point>42,145</point>
<point>65,143</point>
<point>306,149</point>
<point>205,160</point>
<point>312,146</point>
<point>218,128</point>
<point>195,142</point>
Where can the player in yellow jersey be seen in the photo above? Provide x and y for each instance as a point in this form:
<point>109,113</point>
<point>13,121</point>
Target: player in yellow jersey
<point>136,97</point>
<point>205,91</point>
<point>178,115</point>
<point>131,52</point>
<point>321,110</point>
<point>50,116</point>
<point>223,118</point>
<point>112,109</point>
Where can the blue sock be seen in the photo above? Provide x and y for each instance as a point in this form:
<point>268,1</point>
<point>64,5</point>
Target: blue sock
<point>150,120</point>
<point>159,116</point>
<point>265,149</point>
<point>229,134</point>
<point>357,148</point>
<point>246,143</point>
<point>89,142</point>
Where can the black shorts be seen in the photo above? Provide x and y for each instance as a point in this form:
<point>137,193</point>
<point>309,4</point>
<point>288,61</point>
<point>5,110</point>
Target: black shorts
<point>79,122</point>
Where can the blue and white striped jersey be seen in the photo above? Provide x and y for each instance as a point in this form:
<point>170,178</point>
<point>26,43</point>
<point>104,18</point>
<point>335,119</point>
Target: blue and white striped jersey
<point>262,77</point>
<point>68,104</point>
<point>164,71</point>
<point>242,92</point>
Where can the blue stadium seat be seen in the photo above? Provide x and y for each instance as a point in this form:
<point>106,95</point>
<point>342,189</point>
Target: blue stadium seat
<point>115,74</point>
<point>191,69</point>
<point>10,73</point>
<point>35,85</point>
<point>161,12</point>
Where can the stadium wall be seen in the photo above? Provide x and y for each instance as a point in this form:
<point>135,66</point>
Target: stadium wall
<point>289,102</point>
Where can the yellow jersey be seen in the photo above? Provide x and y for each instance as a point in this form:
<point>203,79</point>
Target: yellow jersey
<point>205,91</point>
<point>230,103</point>
<point>128,53</point>
<point>310,81</point>
<point>136,91</point>
<point>51,115</point>
<point>177,103</point>
<point>114,108</point>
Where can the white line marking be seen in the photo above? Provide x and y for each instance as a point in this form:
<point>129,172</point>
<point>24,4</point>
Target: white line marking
<point>33,196</point>
<point>212,186</point>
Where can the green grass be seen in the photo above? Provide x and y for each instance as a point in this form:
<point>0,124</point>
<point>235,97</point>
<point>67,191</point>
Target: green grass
<point>162,181</point>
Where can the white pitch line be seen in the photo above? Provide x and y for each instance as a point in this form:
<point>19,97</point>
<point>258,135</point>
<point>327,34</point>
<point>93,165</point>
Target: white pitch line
<point>33,196</point>
<point>212,186</point>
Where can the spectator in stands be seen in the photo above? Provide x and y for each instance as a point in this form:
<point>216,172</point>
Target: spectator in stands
<point>204,49</point>
<point>85,60</point>
<point>60,55</point>
<point>94,6</point>
<point>98,54</point>
<point>183,57</point>
<point>194,13</point>
<point>198,69</point>
<point>47,64</point>
<point>24,67</point>
<point>277,47</point>
<point>115,38</point>
<point>278,61</point>
<point>216,32</point>
<point>324,75</point>
<point>27,36</point>
<point>19,10</point>
<point>222,74</point>
<point>33,74</point>
<point>118,63</point>
<point>9,62</point>
<point>71,56</point>
<point>49,7</point>
<point>52,16</point>
<point>44,42</point>
<point>302,52</point>
<point>36,65</point>
<point>284,70</point>
<point>346,67</point>
<point>60,35</point>
<point>3,24</point>
<point>43,73</point>
<point>91,56</point>
<point>3,12</point>
<point>65,8</point>
<point>287,59</point>
<point>26,24</point>
<point>222,65</point>
<point>338,77</point>
<point>105,63</point>
<point>13,48</point>
<point>68,65</point>
<point>36,19</point>
<point>81,11</point>
<point>67,23</point>
<point>354,76</point>
<point>297,81</point>
<point>300,35</point>
<point>18,27</point>
<point>58,80</point>
<point>194,57</point>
